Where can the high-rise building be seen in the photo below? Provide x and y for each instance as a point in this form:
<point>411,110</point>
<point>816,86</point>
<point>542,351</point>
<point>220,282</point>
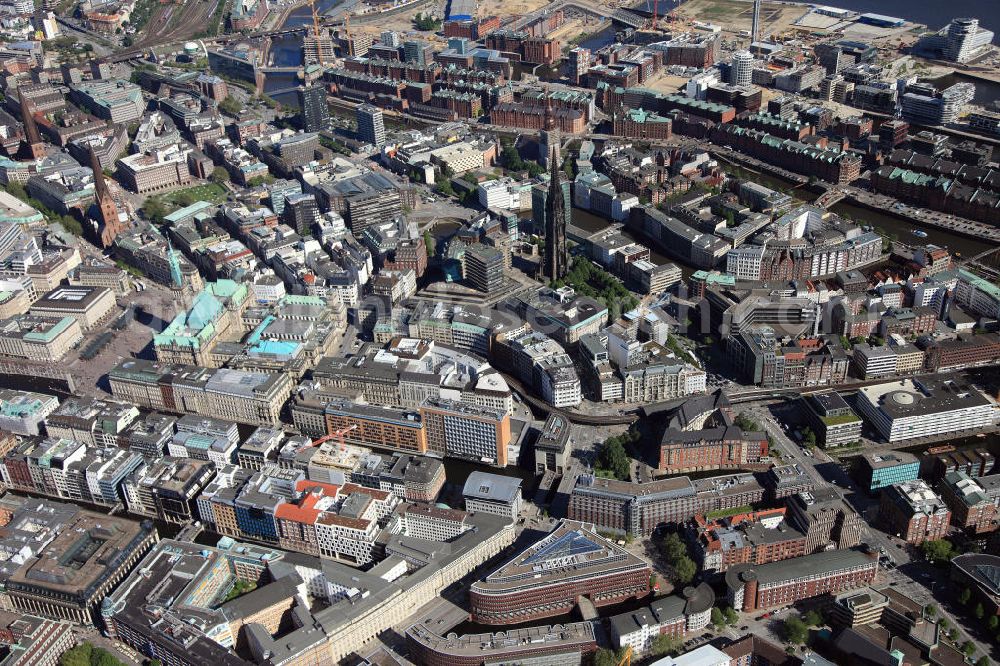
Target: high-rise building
<point>109,225</point>
<point>556,259</point>
<point>755,26</point>
<point>301,212</point>
<point>371,126</point>
<point>741,69</point>
<point>417,52</point>
<point>579,63</point>
<point>315,112</point>
<point>390,38</point>
<point>964,40</point>
<point>484,268</point>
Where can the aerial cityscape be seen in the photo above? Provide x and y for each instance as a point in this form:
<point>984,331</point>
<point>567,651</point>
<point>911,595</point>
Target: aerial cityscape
<point>482,333</point>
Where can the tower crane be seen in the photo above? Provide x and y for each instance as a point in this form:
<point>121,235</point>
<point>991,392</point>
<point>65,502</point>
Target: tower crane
<point>316,34</point>
<point>336,434</point>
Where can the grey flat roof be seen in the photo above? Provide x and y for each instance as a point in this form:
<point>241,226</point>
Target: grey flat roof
<point>484,486</point>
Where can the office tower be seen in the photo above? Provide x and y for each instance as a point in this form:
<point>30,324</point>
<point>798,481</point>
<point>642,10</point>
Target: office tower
<point>315,112</point>
<point>484,267</point>
<point>417,52</point>
<point>300,213</point>
<point>755,27</point>
<point>109,226</point>
<point>555,225</point>
<point>741,69</point>
<point>371,126</point>
<point>390,38</point>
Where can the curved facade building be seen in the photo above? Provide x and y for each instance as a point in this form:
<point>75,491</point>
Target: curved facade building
<point>546,579</point>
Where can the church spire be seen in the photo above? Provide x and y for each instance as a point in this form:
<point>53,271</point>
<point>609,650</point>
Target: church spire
<point>31,135</point>
<point>556,261</point>
<point>109,226</point>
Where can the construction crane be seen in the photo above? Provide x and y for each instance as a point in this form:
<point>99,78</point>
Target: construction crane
<point>656,7</point>
<point>336,434</point>
<point>626,659</point>
<point>315,18</point>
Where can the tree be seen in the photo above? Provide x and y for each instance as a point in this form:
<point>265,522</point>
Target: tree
<point>794,630</point>
<point>685,568</point>
<point>71,225</point>
<point>993,623</point>
<point>930,610</point>
<point>968,648</point>
<point>808,437</point>
<point>979,612</point>
<point>732,617</point>
<point>605,657</point>
<point>665,644</point>
<point>673,547</point>
<point>718,619</point>
<point>154,209</point>
<point>77,656</point>
<point>569,167</point>
<point>429,242</point>
<point>230,106</point>
<point>964,597</point>
<point>983,661</point>
<point>937,550</point>
<point>614,459</point>
<point>812,619</point>
<point>744,422</point>
<point>220,176</point>
<point>424,21</point>
<point>444,188</point>
<point>101,657</point>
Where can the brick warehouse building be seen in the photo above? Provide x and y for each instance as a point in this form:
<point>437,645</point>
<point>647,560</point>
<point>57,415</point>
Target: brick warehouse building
<point>825,163</point>
<point>750,587</point>
<point>546,579</point>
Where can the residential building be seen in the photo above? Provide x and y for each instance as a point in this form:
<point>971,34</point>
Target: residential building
<point>914,512</point>
<point>315,112</point>
<point>371,126</point>
<point>971,508</point>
